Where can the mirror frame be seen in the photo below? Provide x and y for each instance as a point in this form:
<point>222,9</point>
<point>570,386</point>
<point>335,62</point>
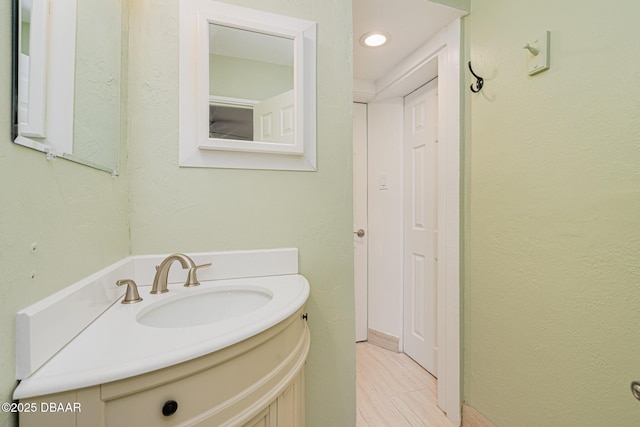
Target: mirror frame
<point>196,149</point>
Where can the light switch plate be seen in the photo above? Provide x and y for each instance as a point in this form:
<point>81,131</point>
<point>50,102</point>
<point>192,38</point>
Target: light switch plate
<point>540,62</point>
<point>383,182</point>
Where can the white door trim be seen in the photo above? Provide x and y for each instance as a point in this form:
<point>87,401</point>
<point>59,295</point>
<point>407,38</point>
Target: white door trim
<point>414,71</point>
<point>449,123</point>
<point>360,220</point>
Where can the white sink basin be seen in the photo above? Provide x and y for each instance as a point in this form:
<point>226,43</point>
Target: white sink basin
<point>204,307</point>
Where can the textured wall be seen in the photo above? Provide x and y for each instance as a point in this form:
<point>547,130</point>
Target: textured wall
<point>552,288</point>
<point>96,118</point>
<point>77,216</point>
<point>185,209</point>
<point>385,216</point>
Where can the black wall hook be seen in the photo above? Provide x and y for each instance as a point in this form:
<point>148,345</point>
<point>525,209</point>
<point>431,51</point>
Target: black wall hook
<point>479,82</point>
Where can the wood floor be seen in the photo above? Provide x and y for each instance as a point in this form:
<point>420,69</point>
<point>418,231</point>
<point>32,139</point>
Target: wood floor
<point>392,390</point>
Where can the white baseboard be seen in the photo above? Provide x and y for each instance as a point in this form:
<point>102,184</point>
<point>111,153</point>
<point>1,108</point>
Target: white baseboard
<point>386,341</point>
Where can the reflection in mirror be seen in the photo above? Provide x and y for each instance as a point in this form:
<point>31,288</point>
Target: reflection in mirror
<point>32,56</point>
<point>230,121</point>
<point>96,118</point>
<point>67,83</point>
<point>251,85</point>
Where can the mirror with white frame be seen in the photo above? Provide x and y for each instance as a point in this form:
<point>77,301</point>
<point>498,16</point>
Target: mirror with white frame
<point>247,88</point>
<point>67,79</point>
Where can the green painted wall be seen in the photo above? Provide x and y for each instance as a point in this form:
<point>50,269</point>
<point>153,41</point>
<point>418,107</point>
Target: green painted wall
<point>25,37</point>
<point>190,209</point>
<point>76,216</point>
<point>552,218</point>
<point>248,79</point>
<point>456,4</point>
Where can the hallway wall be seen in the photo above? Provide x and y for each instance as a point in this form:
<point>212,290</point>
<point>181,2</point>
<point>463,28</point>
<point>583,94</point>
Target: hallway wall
<point>385,131</point>
<point>552,215</point>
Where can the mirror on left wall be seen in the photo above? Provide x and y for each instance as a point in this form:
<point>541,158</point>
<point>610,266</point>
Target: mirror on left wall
<point>67,79</point>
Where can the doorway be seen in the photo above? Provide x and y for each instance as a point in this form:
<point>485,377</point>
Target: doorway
<point>385,236</point>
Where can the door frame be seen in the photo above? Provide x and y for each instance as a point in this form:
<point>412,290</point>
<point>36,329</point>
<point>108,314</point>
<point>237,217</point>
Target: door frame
<point>442,55</point>
<point>360,221</point>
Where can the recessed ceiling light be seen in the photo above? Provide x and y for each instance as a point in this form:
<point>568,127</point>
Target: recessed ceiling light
<point>374,39</point>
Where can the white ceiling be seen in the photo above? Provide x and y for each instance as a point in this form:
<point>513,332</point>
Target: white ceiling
<point>409,22</point>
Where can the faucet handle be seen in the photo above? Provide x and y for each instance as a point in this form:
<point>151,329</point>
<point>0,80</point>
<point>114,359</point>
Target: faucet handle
<point>192,279</point>
<point>132,295</point>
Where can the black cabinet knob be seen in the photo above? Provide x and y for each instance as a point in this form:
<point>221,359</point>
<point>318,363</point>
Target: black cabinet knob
<point>169,408</point>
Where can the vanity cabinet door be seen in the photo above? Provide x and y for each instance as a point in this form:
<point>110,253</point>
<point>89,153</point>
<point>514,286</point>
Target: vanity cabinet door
<point>227,388</point>
<point>266,418</point>
<point>286,411</point>
<point>290,404</point>
<point>213,397</point>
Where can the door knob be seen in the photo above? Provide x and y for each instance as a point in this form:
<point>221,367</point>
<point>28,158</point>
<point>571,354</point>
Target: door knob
<point>635,389</point>
<point>359,233</point>
<point>169,408</point>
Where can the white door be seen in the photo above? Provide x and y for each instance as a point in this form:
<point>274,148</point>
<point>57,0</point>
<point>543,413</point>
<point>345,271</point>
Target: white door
<point>23,88</point>
<point>273,119</point>
<point>360,217</point>
<point>420,225</point>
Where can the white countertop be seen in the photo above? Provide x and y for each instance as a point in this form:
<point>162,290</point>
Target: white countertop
<point>115,346</point>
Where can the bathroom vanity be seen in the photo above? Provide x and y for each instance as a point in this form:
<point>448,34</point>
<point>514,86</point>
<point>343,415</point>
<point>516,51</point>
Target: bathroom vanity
<point>257,382</point>
<point>129,367</point>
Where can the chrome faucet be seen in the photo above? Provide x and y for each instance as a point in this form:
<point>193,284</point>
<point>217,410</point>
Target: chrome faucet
<point>162,272</point>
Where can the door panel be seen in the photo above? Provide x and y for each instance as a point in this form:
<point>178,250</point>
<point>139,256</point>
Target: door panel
<point>421,223</point>
<point>417,281</point>
<point>273,119</point>
<point>419,155</point>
